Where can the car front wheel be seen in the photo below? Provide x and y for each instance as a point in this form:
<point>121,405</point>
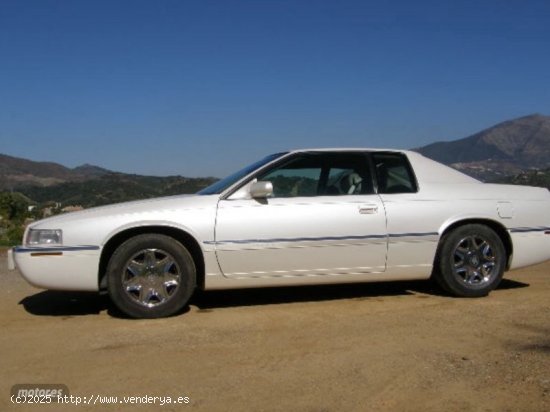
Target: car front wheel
<point>151,276</point>
<point>470,261</point>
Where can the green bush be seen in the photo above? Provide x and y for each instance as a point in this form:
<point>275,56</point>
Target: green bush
<point>13,212</point>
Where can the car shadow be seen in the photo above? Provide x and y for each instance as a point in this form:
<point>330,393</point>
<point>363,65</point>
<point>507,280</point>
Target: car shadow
<point>68,304</point>
<point>207,300</point>
<point>511,284</point>
<point>295,294</point>
<point>63,303</point>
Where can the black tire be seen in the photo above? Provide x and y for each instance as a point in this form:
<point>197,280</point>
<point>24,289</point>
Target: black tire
<point>470,261</point>
<point>151,276</point>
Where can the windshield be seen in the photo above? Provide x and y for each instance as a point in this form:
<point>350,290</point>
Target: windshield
<point>221,185</point>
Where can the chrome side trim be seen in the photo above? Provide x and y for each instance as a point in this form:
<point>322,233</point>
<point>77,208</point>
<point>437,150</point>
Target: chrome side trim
<point>318,239</point>
<point>296,239</point>
<point>24,249</point>
<point>396,235</point>
<point>529,229</point>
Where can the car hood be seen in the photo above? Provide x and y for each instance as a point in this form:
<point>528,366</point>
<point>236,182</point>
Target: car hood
<point>193,214</point>
<point>137,206</point>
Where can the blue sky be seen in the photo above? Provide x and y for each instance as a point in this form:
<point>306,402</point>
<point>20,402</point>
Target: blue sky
<point>203,87</point>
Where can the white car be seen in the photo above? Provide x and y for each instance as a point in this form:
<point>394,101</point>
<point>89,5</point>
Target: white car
<point>295,218</point>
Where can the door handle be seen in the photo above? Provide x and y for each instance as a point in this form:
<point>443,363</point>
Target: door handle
<point>368,209</point>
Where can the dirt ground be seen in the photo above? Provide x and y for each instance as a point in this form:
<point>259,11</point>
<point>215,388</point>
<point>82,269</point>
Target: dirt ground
<point>371,347</point>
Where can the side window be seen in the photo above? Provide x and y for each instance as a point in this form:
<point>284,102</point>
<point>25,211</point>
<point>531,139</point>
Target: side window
<point>393,173</point>
<point>299,177</point>
<point>348,174</point>
<point>338,182</point>
<point>321,174</point>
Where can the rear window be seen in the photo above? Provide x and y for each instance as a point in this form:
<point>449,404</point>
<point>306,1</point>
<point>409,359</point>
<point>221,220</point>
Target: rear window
<point>393,173</point>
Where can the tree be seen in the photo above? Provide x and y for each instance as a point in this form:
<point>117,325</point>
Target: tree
<point>13,206</point>
<point>13,212</point>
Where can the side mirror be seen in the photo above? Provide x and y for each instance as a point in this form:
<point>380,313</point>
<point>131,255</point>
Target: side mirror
<point>261,190</point>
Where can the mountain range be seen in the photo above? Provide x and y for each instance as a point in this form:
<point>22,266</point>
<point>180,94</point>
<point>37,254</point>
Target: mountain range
<point>87,185</point>
<point>515,151</point>
<point>16,172</point>
<point>508,148</point>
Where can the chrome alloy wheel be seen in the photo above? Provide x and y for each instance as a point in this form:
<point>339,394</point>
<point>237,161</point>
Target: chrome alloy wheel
<point>474,261</point>
<point>151,277</point>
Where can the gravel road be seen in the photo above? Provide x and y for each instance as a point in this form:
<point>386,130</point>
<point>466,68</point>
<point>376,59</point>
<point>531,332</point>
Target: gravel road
<point>371,347</point>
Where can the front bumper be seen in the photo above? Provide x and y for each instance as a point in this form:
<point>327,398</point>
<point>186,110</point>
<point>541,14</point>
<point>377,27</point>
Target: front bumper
<point>58,268</point>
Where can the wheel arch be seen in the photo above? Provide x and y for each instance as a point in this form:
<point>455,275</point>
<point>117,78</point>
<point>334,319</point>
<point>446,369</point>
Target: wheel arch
<point>181,236</point>
<point>497,227</point>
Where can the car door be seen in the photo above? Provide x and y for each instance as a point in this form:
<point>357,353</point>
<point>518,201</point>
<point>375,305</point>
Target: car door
<point>322,219</point>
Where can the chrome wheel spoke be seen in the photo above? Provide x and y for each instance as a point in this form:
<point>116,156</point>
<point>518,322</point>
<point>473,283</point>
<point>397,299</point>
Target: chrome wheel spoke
<point>460,258</point>
<point>165,265</point>
<point>133,282</point>
<point>149,257</point>
<point>468,243</point>
<point>146,295</point>
<point>135,268</point>
<point>487,268</point>
<point>170,280</point>
<point>483,247</point>
<point>472,276</point>
<point>161,293</point>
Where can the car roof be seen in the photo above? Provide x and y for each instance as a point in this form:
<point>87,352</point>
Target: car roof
<point>347,149</point>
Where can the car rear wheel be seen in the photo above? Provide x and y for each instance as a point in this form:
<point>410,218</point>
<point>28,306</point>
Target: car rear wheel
<point>151,276</point>
<point>470,261</point>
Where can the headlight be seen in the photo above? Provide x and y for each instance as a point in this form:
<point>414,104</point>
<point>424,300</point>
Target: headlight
<point>48,237</point>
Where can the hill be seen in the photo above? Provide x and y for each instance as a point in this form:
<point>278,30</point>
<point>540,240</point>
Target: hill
<point>540,178</point>
<point>16,172</point>
<point>507,148</point>
<point>114,188</point>
<point>87,185</point>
